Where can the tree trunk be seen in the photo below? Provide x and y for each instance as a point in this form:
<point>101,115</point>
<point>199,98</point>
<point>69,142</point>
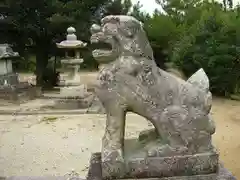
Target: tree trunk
<point>41,60</point>
<point>224,5</point>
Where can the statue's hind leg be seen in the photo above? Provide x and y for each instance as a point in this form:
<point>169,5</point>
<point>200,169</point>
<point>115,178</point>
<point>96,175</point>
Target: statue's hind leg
<point>168,124</point>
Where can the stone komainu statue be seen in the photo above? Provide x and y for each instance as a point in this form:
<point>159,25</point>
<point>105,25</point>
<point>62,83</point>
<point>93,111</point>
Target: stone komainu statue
<point>130,81</point>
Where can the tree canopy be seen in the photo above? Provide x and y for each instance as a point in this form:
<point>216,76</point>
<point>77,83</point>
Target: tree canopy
<point>188,35</point>
<point>42,23</point>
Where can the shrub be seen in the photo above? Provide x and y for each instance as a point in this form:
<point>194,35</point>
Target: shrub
<point>213,47</point>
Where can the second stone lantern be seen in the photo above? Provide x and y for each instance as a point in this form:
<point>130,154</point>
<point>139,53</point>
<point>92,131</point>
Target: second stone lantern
<point>72,85</point>
<point>72,44</point>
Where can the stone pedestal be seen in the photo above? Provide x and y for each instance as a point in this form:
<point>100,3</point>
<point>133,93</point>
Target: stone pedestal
<point>73,94</point>
<point>14,91</point>
<point>217,173</point>
<point>75,97</point>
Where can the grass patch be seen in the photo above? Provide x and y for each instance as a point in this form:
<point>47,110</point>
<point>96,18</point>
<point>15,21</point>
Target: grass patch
<point>49,120</point>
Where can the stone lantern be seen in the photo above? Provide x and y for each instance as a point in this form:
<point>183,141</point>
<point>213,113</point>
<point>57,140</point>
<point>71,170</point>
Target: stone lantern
<point>71,43</point>
<point>73,94</point>
<point>6,57</point>
<point>10,86</point>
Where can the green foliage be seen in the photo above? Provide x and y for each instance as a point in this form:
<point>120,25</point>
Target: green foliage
<point>117,7</point>
<point>195,34</point>
<point>138,14</point>
<point>26,63</point>
<point>212,44</point>
<point>40,24</point>
<point>162,32</point>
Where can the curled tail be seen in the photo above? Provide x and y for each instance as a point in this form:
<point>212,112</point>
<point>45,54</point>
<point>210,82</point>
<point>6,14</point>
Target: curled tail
<point>200,79</point>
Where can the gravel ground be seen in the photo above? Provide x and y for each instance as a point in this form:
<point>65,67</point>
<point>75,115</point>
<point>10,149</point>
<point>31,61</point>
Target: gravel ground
<point>53,145</point>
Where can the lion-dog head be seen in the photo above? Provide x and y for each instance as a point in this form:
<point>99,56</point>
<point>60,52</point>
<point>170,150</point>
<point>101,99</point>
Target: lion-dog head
<point>119,35</point>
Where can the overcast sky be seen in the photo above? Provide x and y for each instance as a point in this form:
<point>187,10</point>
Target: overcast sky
<point>150,5</point>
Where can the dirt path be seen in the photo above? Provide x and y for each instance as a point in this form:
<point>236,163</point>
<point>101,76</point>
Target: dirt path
<point>30,145</point>
<point>226,114</point>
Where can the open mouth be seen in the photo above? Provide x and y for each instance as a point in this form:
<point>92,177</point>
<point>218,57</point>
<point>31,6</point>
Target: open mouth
<point>101,48</point>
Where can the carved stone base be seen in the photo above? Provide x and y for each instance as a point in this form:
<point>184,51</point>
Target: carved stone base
<point>15,91</point>
<point>89,104</point>
<point>73,103</point>
<point>163,172</point>
<point>19,94</point>
<point>138,163</point>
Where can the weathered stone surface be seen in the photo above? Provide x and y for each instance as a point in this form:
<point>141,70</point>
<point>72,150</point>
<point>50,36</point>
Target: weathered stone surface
<point>11,78</point>
<point>200,79</point>
<point>89,103</point>
<point>172,166</point>
<point>95,173</point>
<point>150,167</point>
<point>19,93</point>
<point>7,52</point>
<point>96,106</point>
<point>178,109</point>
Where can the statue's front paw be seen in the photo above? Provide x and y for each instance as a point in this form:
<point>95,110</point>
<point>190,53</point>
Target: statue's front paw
<point>113,164</point>
<point>112,155</point>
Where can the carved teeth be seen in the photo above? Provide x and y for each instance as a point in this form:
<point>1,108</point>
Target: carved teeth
<point>99,52</point>
<point>94,40</point>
